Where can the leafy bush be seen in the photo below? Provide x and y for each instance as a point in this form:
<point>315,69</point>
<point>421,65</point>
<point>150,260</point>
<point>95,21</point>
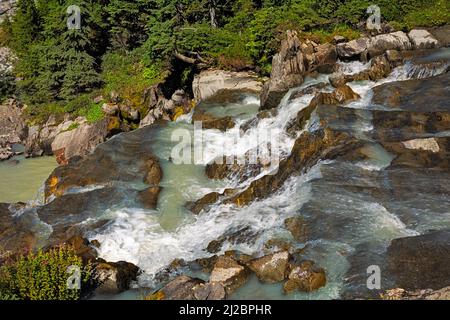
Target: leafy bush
<point>93,113</point>
<point>42,276</point>
<point>435,15</point>
<point>129,75</point>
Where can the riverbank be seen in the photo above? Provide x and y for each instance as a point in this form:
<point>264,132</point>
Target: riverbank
<point>355,137</point>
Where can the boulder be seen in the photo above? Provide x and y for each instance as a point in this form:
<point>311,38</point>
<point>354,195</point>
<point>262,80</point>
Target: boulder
<point>79,141</point>
<point>114,277</point>
<point>15,237</point>
<point>338,39</point>
<point>305,277</point>
<point>429,144</point>
<point>187,288</point>
<point>352,48</point>
<point>421,262</point>
<point>209,82</point>
<point>229,273</point>
<point>12,128</point>
<point>271,268</point>
<point>83,248</point>
<point>210,291</point>
<point>422,39</point>
<point>392,41</point>
<point>110,109</point>
<point>149,197</point>
<point>210,122</point>
<point>441,34</point>
<point>338,79</point>
<point>325,58</point>
<point>287,71</point>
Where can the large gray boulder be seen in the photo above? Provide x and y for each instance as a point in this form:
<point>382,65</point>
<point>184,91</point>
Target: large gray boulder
<point>207,83</point>
<point>390,41</point>
<point>352,48</point>
<point>287,71</point>
<point>79,141</point>
<point>422,39</point>
<point>421,262</point>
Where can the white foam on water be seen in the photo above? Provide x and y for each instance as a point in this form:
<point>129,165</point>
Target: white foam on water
<point>251,100</point>
<point>384,222</point>
<point>352,67</point>
<point>136,235</point>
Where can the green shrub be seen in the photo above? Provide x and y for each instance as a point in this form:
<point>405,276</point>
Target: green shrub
<point>78,103</point>
<point>93,113</point>
<point>435,15</point>
<point>42,276</point>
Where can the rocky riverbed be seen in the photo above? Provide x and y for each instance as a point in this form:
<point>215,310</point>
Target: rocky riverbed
<point>363,136</point>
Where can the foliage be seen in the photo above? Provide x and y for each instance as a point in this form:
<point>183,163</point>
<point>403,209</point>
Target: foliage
<point>93,113</point>
<point>42,276</point>
<point>128,45</point>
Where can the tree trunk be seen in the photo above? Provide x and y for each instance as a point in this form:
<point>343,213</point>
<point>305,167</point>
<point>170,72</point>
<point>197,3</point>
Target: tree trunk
<point>212,13</point>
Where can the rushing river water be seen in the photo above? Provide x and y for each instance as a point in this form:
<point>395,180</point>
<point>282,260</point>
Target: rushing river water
<point>341,221</point>
<point>153,239</point>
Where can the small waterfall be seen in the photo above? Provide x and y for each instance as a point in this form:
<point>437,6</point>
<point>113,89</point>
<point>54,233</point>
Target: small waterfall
<point>136,235</point>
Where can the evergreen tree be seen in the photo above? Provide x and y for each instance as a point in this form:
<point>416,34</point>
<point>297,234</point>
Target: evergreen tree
<point>26,26</point>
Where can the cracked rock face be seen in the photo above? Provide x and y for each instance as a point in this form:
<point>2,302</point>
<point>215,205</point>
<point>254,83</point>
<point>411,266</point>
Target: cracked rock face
<point>229,273</point>
<point>271,268</point>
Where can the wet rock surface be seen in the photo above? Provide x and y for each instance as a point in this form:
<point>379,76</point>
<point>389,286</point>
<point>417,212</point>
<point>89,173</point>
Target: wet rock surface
<point>210,122</point>
<point>187,288</point>
<point>15,237</point>
<point>229,273</point>
<point>114,277</point>
<point>271,268</point>
<point>305,277</point>
<point>421,262</point>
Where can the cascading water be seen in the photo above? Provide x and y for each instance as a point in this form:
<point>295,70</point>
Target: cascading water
<point>152,239</point>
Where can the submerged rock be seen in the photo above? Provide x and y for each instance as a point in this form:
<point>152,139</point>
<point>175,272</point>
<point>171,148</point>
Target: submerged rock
<point>149,197</point>
<point>297,227</point>
<point>210,122</point>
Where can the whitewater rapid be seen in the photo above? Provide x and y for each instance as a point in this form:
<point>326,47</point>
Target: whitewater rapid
<point>137,235</point>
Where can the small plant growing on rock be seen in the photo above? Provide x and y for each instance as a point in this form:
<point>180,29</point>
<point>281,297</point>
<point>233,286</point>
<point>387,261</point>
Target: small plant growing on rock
<point>43,276</point>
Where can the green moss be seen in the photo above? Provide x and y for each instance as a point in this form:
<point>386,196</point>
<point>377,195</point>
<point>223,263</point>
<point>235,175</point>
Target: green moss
<point>93,113</point>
